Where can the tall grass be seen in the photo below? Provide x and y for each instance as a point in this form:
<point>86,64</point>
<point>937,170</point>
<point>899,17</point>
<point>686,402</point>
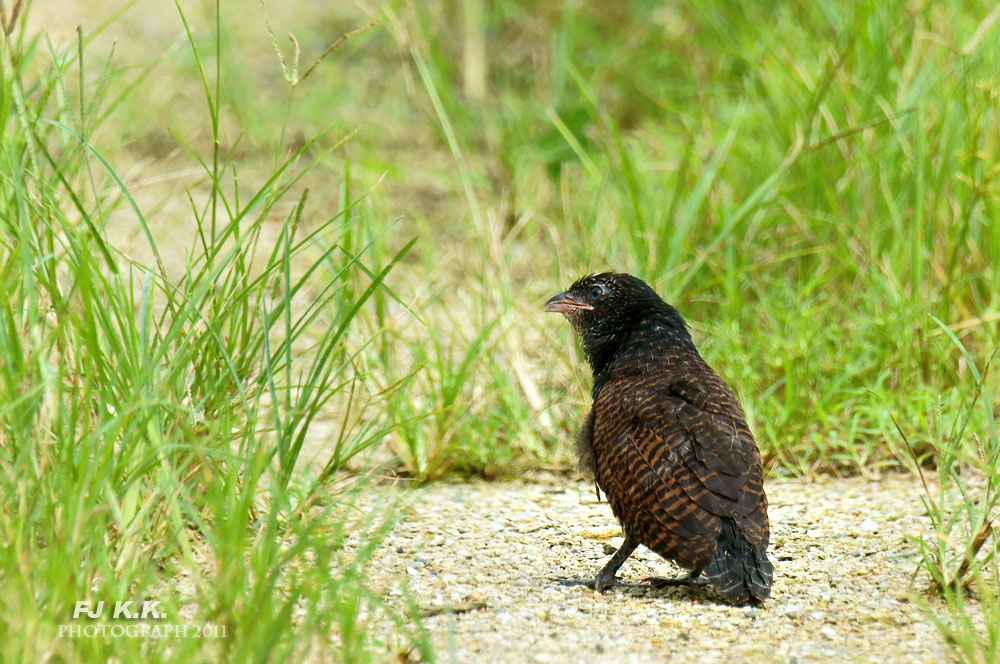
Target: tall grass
<point>154,411</point>
<point>959,552</point>
<point>807,184</point>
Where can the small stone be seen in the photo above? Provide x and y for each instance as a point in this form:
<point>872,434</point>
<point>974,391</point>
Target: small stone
<point>494,552</point>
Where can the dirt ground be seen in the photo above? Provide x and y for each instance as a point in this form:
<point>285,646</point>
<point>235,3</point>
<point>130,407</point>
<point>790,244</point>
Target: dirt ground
<point>489,565</point>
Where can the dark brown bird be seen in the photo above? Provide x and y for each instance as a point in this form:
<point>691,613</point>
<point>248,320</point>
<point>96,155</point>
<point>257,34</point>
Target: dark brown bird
<point>667,441</point>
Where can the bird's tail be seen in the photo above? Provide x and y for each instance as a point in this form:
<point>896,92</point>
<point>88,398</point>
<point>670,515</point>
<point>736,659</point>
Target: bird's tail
<point>739,572</point>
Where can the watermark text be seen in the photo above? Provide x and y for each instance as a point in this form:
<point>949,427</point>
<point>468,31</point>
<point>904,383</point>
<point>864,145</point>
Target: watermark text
<point>134,619</point>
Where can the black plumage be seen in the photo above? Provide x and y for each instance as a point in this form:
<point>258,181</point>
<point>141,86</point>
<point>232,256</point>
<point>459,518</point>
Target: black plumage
<point>667,440</point>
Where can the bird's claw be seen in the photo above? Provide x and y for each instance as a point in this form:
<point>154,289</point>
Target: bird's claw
<point>661,582</point>
<point>600,584</point>
<point>605,582</point>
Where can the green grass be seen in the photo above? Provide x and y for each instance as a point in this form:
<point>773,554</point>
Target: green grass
<point>814,186</point>
<point>959,553</point>
<point>154,412</point>
<point>807,195</point>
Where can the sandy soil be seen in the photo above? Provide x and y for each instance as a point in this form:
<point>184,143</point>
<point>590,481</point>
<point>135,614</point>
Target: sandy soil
<point>487,564</point>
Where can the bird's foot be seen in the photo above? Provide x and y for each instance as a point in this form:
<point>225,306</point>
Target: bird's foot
<point>605,582</point>
<point>600,584</point>
<point>690,579</point>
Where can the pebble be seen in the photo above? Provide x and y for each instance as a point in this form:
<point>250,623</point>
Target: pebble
<point>514,555</point>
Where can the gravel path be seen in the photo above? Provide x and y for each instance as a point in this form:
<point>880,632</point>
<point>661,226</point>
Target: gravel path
<point>484,561</point>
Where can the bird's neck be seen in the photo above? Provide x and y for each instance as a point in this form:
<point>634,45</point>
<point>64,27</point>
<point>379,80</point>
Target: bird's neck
<point>657,343</point>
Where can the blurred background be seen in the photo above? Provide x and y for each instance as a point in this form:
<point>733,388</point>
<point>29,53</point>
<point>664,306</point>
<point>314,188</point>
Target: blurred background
<point>812,184</point>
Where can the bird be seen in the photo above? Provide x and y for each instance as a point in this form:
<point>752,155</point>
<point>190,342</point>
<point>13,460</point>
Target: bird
<point>667,441</point>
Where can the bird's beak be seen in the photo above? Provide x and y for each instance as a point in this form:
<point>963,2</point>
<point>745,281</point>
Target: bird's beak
<point>565,303</point>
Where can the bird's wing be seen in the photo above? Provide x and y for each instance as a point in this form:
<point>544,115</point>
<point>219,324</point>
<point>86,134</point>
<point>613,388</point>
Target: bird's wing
<point>719,450</point>
<point>658,437</point>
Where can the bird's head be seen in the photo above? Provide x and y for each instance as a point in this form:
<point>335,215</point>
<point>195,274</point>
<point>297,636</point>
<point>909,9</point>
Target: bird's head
<point>605,307</point>
<point>602,303</point>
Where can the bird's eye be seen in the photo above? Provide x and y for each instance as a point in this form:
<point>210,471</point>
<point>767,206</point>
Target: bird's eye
<point>597,291</point>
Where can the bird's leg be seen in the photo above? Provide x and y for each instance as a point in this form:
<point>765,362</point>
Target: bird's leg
<point>689,579</point>
<point>606,577</point>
